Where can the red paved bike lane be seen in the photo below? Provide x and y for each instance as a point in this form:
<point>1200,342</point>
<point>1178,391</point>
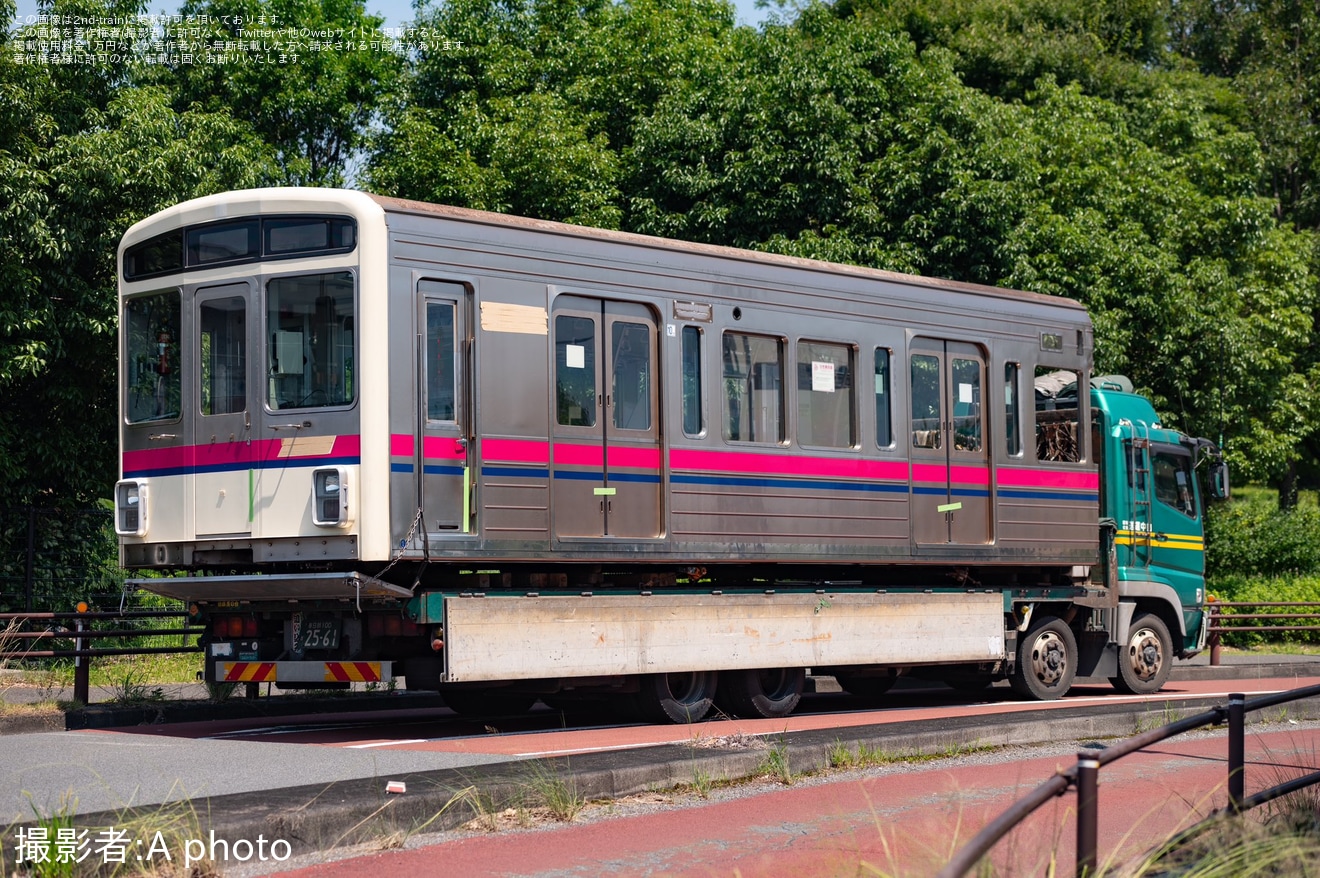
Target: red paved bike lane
<point>904,820</point>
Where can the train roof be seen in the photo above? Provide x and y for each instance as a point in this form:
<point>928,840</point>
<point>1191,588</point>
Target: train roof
<point>468,215</point>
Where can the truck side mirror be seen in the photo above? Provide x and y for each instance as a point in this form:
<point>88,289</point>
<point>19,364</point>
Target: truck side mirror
<point>1219,480</point>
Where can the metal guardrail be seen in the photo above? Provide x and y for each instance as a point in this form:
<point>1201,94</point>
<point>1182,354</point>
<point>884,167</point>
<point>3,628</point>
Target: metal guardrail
<point>1086,773</point>
<point>21,635</point>
<point>1227,623</point>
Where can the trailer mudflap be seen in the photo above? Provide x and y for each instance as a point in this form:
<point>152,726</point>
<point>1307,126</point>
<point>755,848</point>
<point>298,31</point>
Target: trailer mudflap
<point>491,637</point>
<point>281,587</point>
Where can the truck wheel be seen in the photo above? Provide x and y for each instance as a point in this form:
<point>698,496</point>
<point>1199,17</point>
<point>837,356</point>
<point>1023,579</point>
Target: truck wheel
<point>1046,660</point>
<point>770,693</point>
<point>676,698</point>
<point>1145,661</point>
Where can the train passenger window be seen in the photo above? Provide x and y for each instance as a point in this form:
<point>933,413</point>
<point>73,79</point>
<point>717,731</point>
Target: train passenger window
<point>1173,479</point>
<point>1058,432</point>
<point>630,385</point>
<point>884,414</point>
<point>162,254</point>
<point>1012,411</point>
<point>926,402</point>
<point>825,395</point>
<point>692,421</point>
<point>440,381</point>
<point>222,242</point>
<point>309,327</point>
<point>575,370</point>
<point>966,405</point>
<point>753,392</point>
<point>223,348</point>
<point>152,357</point>
<point>309,235</point>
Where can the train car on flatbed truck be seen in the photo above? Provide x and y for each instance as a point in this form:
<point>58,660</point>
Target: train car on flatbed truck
<point>367,438</point>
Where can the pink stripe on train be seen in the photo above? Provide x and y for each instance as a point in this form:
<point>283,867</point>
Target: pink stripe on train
<point>792,465</point>
<point>1047,478</point>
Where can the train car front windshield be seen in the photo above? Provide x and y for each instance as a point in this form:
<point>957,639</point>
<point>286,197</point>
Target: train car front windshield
<point>308,336</point>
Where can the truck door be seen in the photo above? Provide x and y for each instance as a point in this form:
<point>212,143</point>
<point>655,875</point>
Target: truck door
<point>950,499</point>
<point>605,455</point>
<point>222,420</point>
<point>441,453</point>
<point>1176,542</point>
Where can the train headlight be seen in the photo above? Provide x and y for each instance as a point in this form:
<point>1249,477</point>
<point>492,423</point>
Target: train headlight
<point>330,497</point>
<point>131,508</point>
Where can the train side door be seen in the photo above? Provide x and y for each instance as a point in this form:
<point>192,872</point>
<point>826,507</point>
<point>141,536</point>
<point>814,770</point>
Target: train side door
<point>442,452</point>
<point>222,419</point>
<point>605,459</point>
<point>950,499</point>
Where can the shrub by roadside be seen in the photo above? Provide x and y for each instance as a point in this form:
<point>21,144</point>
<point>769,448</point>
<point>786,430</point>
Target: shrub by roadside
<point>1237,588</point>
<point>1252,537</point>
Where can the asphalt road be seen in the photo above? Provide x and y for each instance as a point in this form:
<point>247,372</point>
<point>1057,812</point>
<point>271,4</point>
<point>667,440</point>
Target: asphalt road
<point>314,786</point>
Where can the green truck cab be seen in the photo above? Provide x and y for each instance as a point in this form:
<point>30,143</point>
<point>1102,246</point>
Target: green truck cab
<point>1152,500</point>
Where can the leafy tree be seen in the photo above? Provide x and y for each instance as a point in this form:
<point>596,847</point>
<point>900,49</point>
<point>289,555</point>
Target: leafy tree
<point>1003,46</point>
<point>311,86</point>
<point>77,167</point>
<point>529,106</point>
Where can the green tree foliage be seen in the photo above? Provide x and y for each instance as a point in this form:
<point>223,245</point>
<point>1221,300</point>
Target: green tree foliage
<point>832,139</point>
<point>1002,47</point>
<point>83,155</point>
<point>1270,53</point>
<point>311,81</point>
<point>529,106</point>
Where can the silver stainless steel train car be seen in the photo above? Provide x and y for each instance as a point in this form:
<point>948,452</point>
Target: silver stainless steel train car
<point>511,458</point>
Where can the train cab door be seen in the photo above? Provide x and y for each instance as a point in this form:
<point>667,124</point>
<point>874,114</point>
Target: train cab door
<point>950,487</point>
<point>605,455</point>
<point>224,478</point>
<point>442,453</point>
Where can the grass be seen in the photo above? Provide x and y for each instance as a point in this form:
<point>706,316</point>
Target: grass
<point>554,792</point>
<point>776,763</point>
<point>1150,720</point>
<point>155,842</point>
<point>1282,844</point>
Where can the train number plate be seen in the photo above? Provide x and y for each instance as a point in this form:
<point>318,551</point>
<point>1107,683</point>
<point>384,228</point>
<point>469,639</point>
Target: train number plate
<point>316,634</point>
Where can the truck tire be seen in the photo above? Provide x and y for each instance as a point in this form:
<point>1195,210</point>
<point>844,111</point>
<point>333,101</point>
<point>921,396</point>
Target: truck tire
<point>769,693</point>
<point>1046,660</point>
<point>1145,661</point>
<point>676,698</point>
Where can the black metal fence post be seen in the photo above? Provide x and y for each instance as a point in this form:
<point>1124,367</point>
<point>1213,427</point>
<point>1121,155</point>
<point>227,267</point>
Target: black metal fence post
<point>82,664</point>
<point>1088,781</point>
<point>1215,640</point>
<point>1237,715</point>
<point>30,562</point>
